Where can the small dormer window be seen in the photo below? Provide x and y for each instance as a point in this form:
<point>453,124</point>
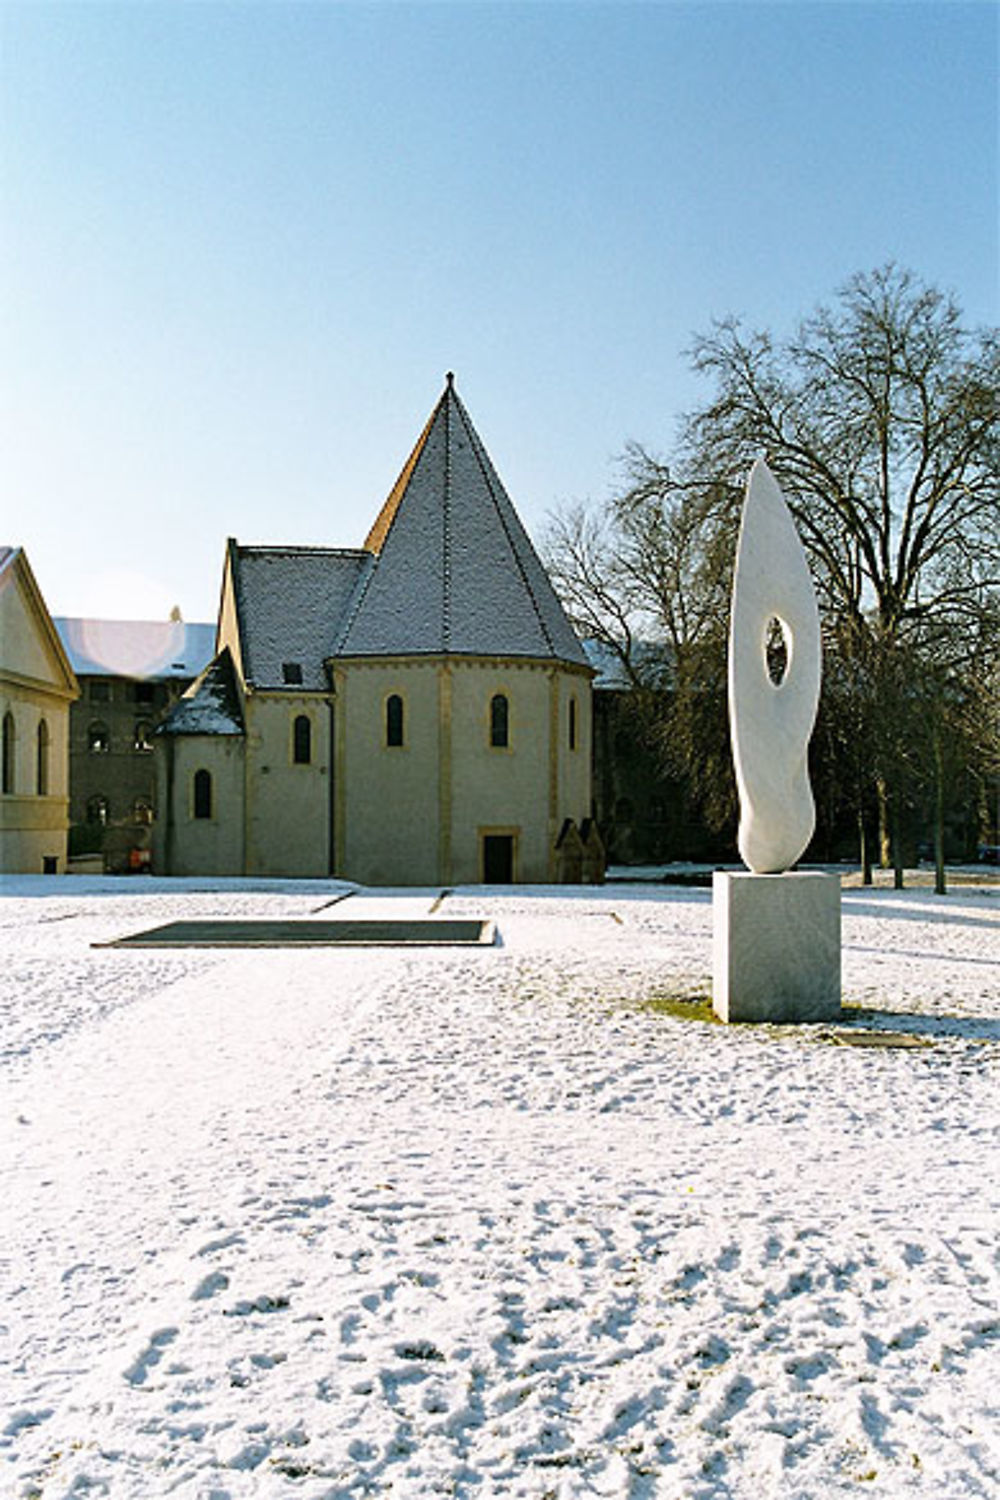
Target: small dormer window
<point>291,672</point>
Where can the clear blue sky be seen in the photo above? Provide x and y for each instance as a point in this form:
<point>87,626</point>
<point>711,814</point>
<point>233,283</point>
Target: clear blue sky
<point>242,243</point>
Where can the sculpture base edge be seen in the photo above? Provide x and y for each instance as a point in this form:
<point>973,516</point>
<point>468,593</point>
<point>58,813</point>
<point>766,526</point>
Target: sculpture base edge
<point>776,946</point>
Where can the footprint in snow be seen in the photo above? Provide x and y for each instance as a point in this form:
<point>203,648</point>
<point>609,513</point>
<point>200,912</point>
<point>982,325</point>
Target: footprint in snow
<point>210,1286</point>
<point>349,1326</point>
<point>262,1304</point>
<point>222,1243</point>
<point>27,1418</point>
<point>137,1372</point>
<point>729,1258</point>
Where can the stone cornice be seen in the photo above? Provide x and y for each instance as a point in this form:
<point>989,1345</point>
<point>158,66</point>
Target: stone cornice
<point>457,660</point>
<point>36,686</point>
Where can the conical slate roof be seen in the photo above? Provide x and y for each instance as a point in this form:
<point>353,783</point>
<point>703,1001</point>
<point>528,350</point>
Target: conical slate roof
<point>211,705</point>
<point>455,572</point>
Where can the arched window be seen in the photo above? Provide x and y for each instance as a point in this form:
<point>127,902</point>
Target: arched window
<point>143,740</point>
<point>499,721</point>
<point>394,721</point>
<point>203,794</point>
<point>302,740</point>
<point>98,738</point>
<point>9,743</point>
<point>42,759</point>
<point>97,810</point>
<point>572,723</point>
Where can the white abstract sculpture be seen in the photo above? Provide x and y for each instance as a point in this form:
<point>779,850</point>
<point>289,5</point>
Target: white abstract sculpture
<point>770,723</point>
<point>775,933</point>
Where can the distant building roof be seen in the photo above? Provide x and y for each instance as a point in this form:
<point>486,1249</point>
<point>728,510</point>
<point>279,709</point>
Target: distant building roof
<point>653,665</point>
<point>611,675</point>
<point>136,648</point>
<point>6,553</point>
<point>291,603</point>
<point>455,572</point>
<point>212,704</point>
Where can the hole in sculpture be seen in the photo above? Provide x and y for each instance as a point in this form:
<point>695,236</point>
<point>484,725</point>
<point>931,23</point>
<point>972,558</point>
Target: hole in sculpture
<point>776,650</point>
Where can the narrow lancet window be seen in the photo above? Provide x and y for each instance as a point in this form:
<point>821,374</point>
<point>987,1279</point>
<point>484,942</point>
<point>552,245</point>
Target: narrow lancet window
<point>9,740</point>
<point>203,794</point>
<point>499,721</point>
<point>42,760</point>
<point>302,740</point>
<point>394,721</point>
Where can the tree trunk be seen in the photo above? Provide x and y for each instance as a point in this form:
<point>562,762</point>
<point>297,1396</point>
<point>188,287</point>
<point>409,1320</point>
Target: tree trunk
<point>884,841</point>
<point>863,849</point>
<point>940,888</point>
<point>897,845</point>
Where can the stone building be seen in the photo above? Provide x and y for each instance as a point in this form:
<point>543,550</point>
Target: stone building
<point>131,673</point>
<point>37,687</point>
<point>414,711</point>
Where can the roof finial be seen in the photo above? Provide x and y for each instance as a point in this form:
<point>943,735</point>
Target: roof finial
<point>450,378</point>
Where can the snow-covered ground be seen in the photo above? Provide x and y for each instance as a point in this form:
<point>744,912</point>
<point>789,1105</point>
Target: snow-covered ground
<point>335,1223</point>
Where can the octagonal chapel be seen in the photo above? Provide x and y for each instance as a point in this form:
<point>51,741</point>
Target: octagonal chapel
<point>413,712</point>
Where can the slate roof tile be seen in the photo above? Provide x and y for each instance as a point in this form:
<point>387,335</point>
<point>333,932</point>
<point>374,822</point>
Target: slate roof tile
<point>213,704</point>
<point>291,603</point>
<point>456,571</point>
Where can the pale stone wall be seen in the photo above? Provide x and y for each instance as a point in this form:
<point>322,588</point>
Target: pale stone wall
<point>575,797</point>
<point>387,829</point>
<point>184,844</point>
<point>36,686</point>
<point>412,814</point>
<point>289,813</point>
<point>27,654</point>
<point>502,790</point>
<point>32,833</point>
<point>417,814</point>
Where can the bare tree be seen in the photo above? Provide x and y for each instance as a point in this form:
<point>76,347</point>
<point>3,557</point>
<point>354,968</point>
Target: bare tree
<point>881,420</point>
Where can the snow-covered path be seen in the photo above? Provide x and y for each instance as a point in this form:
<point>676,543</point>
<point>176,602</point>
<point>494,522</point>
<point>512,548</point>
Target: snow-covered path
<point>479,1222</point>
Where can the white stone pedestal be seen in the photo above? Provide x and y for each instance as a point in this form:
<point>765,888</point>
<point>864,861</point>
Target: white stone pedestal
<point>776,947</point>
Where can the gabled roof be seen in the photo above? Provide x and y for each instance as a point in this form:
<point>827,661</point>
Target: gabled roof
<point>144,649</point>
<point>291,603</point>
<point>213,704</point>
<point>455,572</point>
<point>50,665</point>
